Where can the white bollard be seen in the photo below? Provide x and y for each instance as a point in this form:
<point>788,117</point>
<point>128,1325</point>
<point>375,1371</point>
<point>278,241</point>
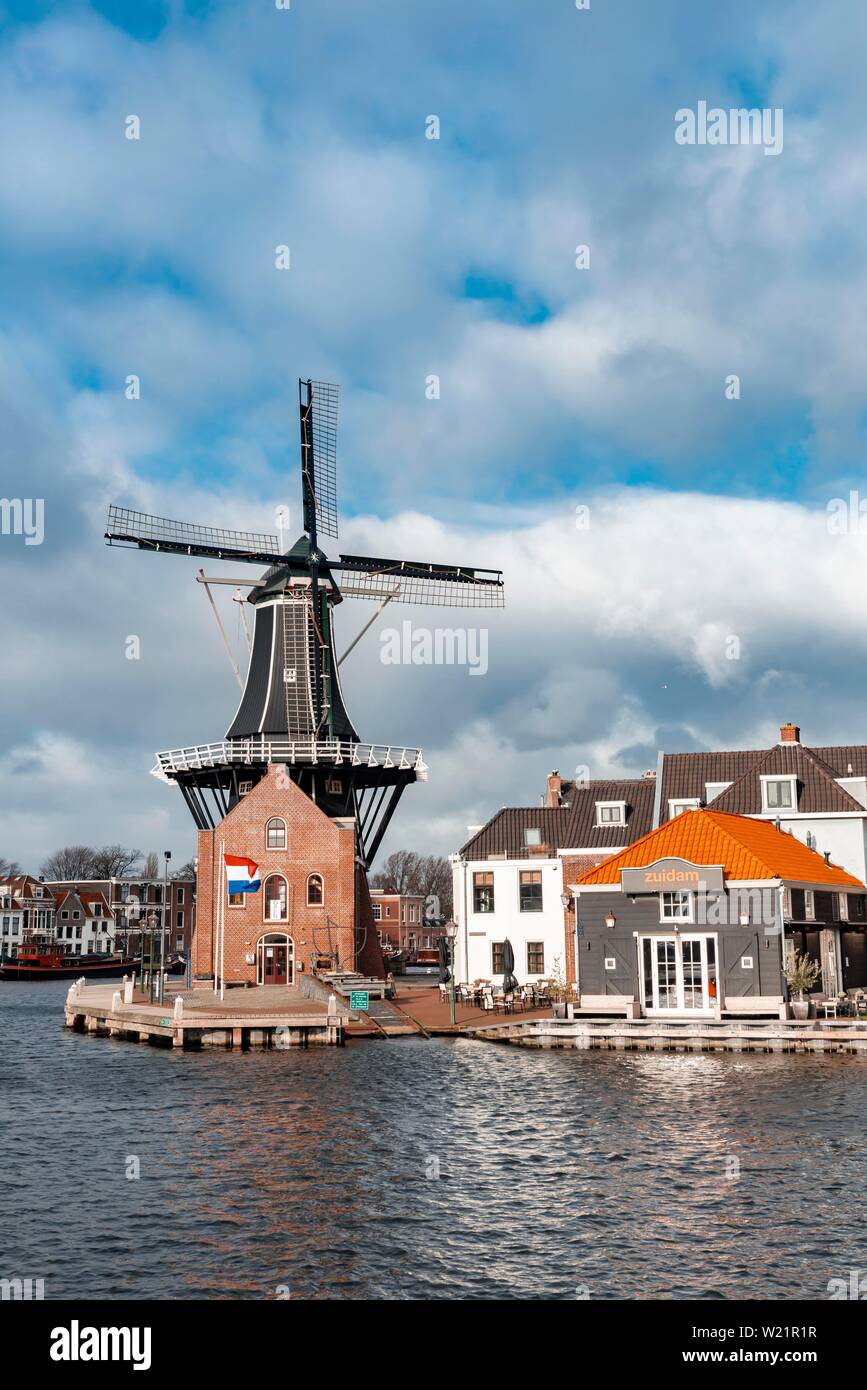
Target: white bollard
<point>179,1007</point>
<point>115,1001</point>
<point>128,987</point>
<point>71,994</point>
<point>79,984</point>
<point>332,1003</point>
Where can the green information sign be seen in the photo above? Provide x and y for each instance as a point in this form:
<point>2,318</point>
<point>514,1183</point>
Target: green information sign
<point>359,999</point>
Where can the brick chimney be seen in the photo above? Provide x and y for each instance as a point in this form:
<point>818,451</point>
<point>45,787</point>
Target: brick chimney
<point>552,789</point>
<point>790,733</point>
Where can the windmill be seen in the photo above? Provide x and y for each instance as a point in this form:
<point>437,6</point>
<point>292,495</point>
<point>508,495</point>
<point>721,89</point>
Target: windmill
<point>292,710</point>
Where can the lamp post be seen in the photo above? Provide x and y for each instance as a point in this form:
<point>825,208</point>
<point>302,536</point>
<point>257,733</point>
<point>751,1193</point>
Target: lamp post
<point>451,937</point>
<point>568,902</point>
<point>167,854</point>
<point>151,920</point>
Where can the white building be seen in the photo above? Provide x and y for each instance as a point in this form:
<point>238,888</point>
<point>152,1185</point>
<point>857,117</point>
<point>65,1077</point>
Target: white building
<point>509,878</point>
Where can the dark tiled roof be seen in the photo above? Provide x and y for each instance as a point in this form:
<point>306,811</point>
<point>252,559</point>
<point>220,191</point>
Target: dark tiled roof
<point>851,755</point>
<point>818,792</point>
<point>685,775</point>
<point>638,794</point>
<point>504,832</point>
<point>568,827</point>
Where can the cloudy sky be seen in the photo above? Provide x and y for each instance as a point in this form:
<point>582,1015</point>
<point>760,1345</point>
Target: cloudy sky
<point>674,576</point>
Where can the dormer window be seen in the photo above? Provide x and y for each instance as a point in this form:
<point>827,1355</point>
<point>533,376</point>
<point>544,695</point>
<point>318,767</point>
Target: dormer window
<point>714,789</point>
<point>532,835</point>
<point>686,803</point>
<point>778,794</point>
<point>610,813</point>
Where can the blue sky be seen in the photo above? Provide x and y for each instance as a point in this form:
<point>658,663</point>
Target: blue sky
<point>454,257</point>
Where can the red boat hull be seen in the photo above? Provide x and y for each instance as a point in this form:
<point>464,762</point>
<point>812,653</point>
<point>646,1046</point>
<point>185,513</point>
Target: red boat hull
<point>28,970</point>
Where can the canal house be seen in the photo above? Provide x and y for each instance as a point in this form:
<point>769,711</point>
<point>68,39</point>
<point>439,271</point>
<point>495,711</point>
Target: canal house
<point>702,916</point>
<point>508,879</point>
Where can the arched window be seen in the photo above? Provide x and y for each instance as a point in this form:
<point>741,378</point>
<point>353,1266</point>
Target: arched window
<point>275,834</point>
<point>315,891</point>
<point>276,899</point>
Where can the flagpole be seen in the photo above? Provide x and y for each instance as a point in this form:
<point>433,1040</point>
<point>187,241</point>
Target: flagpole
<point>217,934</point>
<point>223,924</point>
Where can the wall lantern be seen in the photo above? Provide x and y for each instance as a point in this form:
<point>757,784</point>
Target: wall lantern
<point>610,920</point>
<point>566,900</point>
<point>744,919</point>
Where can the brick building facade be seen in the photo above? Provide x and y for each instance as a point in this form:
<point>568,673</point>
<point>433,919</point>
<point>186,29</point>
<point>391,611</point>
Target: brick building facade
<point>313,908</point>
<point>401,921</point>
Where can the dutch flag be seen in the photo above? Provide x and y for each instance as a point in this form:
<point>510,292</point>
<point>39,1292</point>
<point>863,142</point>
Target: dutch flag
<point>241,874</point>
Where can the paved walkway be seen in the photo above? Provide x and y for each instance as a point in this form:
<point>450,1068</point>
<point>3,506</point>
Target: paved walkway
<point>425,1006</point>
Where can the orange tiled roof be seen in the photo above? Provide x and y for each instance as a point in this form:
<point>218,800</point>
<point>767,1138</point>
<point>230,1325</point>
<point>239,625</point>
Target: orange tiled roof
<point>747,849</point>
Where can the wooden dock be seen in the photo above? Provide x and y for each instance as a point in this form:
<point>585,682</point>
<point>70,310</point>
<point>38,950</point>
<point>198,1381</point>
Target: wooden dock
<point>244,1019</point>
<point>683,1035</point>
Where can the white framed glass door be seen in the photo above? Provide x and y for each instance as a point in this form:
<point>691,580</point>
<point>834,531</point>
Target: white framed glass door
<point>679,974</point>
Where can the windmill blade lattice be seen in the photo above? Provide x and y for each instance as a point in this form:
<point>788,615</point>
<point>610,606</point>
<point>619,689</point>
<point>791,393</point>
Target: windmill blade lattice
<point>407,581</point>
<point>129,528</point>
<point>319,400</point>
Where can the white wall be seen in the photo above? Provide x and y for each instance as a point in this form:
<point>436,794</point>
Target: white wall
<point>477,931</point>
<point>845,838</point>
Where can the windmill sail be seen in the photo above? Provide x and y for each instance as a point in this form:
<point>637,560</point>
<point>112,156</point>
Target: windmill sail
<point>408,581</point>
<point>128,528</point>
<point>319,455</point>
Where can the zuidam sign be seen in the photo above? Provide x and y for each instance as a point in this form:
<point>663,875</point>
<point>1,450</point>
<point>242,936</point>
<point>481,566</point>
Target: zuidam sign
<point>672,876</point>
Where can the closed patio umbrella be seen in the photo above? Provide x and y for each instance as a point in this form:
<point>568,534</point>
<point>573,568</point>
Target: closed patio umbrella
<point>509,981</point>
<point>443,948</point>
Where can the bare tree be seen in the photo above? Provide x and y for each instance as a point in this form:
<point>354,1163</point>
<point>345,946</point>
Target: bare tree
<point>397,873</point>
<point>72,862</point>
<point>151,867</point>
<point>187,870</point>
<point>9,869</point>
<point>113,861</point>
<point>429,875</point>
<point>433,879</point>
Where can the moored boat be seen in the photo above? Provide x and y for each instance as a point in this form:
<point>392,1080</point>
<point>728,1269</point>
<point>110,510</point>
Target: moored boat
<point>42,957</point>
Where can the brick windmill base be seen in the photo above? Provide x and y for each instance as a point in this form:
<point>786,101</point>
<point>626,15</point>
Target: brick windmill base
<point>321,924</point>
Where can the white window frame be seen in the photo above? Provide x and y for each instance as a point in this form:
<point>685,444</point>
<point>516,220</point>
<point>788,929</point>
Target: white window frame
<point>680,893</point>
<point>714,789</point>
<point>532,830</point>
<point>607,806</point>
<point>765,778</point>
<point>678,804</point>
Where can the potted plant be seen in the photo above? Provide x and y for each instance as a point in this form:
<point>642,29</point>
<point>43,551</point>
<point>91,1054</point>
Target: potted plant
<point>559,990</point>
<point>801,975</point>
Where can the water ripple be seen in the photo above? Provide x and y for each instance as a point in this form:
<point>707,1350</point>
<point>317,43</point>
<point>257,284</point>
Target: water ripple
<point>419,1170</point>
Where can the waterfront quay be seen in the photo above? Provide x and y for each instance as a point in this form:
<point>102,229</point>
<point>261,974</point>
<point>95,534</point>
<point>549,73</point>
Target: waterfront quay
<point>263,1017</point>
<point>678,1035</point>
<point>255,1018</point>
<point>284,1017</point>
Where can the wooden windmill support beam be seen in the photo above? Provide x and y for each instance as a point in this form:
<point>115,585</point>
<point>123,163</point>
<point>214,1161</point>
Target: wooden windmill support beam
<point>387,813</point>
<point>196,808</point>
<point>368,815</point>
<point>200,579</point>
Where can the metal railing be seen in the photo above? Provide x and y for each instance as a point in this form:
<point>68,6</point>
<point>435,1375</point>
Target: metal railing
<point>250,751</point>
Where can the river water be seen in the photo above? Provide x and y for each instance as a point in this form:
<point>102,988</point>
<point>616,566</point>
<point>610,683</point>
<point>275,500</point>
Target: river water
<point>413,1169</point>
